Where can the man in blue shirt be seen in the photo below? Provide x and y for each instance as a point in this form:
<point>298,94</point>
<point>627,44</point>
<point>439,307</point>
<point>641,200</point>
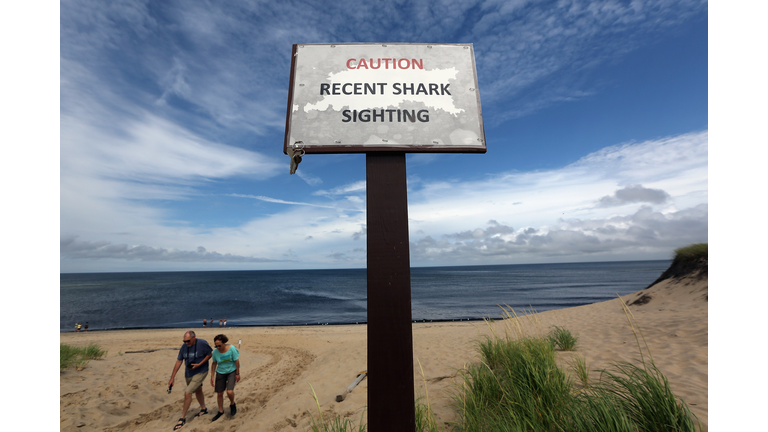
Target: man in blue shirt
<point>195,353</point>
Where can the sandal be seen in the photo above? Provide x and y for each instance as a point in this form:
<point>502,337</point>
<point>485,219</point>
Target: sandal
<point>202,412</point>
<point>217,416</point>
<point>180,424</point>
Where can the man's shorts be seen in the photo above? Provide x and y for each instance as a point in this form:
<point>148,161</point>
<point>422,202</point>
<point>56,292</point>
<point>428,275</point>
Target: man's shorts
<point>195,381</point>
<point>225,381</point>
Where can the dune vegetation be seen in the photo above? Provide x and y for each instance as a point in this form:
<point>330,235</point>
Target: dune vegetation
<point>79,356</point>
<point>518,386</point>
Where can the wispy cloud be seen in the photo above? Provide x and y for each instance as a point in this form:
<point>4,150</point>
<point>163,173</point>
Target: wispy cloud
<point>166,102</point>
<point>677,165</point>
<point>521,43</point>
<point>246,47</point>
<point>356,187</point>
<point>279,201</point>
<point>531,216</point>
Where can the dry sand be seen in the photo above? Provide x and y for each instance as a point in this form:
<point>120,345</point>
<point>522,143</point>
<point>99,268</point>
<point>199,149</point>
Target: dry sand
<point>127,391</point>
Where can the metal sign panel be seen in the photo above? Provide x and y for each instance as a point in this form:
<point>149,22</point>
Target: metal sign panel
<point>358,98</point>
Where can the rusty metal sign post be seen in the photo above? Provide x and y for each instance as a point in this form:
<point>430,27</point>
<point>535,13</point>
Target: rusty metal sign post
<point>385,100</point>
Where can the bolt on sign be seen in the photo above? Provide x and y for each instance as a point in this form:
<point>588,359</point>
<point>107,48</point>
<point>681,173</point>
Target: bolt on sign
<point>359,98</point>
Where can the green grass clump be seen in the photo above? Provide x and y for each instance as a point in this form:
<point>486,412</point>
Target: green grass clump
<point>643,394</point>
<point>78,357</point>
<point>597,412</point>
<point>93,352</point>
<point>68,355</point>
<point>694,251</point>
<point>425,419</point>
<point>580,368</point>
<point>332,424</point>
<point>518,386</point>
<point>563,339</point>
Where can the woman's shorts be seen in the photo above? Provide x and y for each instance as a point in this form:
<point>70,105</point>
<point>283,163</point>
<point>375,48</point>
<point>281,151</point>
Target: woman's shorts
<point>225,381</point>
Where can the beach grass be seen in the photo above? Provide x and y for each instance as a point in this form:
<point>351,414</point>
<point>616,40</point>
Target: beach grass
<point>563,339</point>
<point>332,423</point>
<point>518,386</point>
<point>581,370</point>
<point>93,352</point>
<point>67,354</point>
<point>694,251</point>
<point>78,356</point>
<point>425,418</point>
<point>687,261</point>
<point>644,396</point>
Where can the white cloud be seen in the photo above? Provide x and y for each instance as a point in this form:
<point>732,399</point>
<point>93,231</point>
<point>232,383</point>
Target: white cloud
<point>642,234</point>
<point>279,201</point>
<point>241,82</point>
<point>678,165</point>
<point>311,179</point>
<point>355,187</point>
<point>117,157</point>
<point>520,44</point>
<point>158,106</point>
<point>539,216</point>
<point>634,194</point>
<point>71,248</point>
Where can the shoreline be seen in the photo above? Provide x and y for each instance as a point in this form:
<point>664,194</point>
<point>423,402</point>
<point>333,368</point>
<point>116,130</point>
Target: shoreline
<point>275,325</point>
<point>338,323</point>
<point>338,298</point>
<point>127,391</point>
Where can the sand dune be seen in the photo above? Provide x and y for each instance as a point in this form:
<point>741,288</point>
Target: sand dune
<point>127,391</point>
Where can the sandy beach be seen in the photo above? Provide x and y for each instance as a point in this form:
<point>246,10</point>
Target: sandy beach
<point>126,390</point>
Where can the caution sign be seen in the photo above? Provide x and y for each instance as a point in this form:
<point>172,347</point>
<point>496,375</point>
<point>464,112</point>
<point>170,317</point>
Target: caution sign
<point>358,98</point>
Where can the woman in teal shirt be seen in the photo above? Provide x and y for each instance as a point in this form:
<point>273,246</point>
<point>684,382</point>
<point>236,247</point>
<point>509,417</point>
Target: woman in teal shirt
<point>226,369</point>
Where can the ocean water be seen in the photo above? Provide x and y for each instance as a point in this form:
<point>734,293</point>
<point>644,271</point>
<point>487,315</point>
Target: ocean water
<point>311,297</point>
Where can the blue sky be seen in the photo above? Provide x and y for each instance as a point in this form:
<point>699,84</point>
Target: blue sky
<point>172,118</point>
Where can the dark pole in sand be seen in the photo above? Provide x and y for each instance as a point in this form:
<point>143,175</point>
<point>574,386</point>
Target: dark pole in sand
<point>390,340</point>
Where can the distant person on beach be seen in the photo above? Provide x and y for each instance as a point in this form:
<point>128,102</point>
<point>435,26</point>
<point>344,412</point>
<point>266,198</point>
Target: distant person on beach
<point>86,326</point>
<point>205,323</point>
<point>195,353</point>
<point>79,326</point>
<point>221,322</point>
<point>225,322</point>
<point>226,370</point>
